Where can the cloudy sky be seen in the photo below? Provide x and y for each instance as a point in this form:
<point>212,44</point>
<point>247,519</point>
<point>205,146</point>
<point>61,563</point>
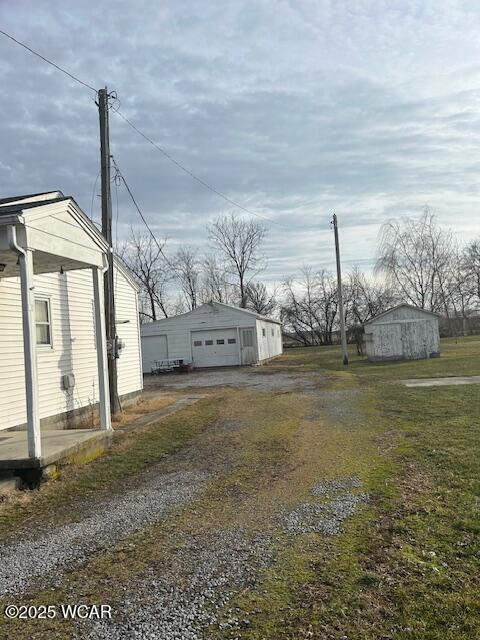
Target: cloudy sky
<point>294,108</point>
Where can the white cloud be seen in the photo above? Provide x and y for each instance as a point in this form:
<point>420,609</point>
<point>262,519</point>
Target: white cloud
<point>293,109</point>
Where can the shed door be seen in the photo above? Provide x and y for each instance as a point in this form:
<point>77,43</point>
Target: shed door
<point>153,348</point>
<point>248,346</point>
<point>215,348</point>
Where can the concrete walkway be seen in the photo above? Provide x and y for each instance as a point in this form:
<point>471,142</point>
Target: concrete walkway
<point>441,382</point>
<point>56,445</point>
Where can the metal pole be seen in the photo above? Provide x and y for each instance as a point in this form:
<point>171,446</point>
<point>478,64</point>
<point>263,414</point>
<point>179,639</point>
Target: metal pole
<point>343,334</point>
<point>107,232</point>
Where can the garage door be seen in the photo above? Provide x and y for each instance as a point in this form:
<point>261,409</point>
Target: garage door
<point>216,348</point>
<point>153,348</point>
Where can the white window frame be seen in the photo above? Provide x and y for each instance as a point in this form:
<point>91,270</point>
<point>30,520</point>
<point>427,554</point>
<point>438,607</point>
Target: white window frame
<point>46,345</point>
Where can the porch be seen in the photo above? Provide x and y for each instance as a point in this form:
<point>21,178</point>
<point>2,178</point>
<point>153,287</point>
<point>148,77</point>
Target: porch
<point>57,446</point>
<point>41,234</point>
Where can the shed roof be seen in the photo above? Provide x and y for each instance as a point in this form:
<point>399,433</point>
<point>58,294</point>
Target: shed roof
<point>400,306</point>
<point>214,303</point>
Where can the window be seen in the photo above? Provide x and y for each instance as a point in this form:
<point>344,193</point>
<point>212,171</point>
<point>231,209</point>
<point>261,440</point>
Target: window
<point>247,338</point>
<point>273,333</point>
<point>221,341</point>
<point>197,343</point>
<point>42,321</point>
<point>208,343</point>
<point>232,341</point>
<point>263,332</point>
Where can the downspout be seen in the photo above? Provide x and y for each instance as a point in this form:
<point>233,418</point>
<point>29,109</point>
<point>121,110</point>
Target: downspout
<point>29,344</point>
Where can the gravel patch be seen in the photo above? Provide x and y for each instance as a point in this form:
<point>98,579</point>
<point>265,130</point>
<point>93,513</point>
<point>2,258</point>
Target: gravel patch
<point>251,377</point>
<point>328,516</point>
<point>107,521</point>
<point>334,486</point>
<point>191,592</point>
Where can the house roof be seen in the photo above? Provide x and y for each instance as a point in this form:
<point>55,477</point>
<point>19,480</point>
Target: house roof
<point>399,306</point>
<point>15,204</point>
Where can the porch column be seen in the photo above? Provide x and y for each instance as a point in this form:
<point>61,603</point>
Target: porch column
<point>30,353</point>
<point>102,362</point>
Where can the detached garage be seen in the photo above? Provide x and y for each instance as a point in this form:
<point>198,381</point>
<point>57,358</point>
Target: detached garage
<point>213,335</point>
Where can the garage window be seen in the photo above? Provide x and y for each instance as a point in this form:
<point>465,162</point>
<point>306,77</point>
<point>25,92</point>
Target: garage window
<point>263,332</point>
<point>197,343</point>
<point>221,341</point>
<point>232,341</point>
<point>273,332</point>
<point>208,343</point>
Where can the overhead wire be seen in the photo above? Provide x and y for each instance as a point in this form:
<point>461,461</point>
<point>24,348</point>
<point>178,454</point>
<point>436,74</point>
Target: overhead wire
<point>190,173</point>
<point>139,211</point>
<point>165,153</point>
<point>53,64</point>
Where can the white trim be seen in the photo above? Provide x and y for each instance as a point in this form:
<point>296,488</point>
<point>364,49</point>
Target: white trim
<point>42,346</point>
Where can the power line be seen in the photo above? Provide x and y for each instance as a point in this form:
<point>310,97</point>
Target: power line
<point>154,237</point>
<point>53,64</point>
<point>190,173</point>
<point>143,135</point>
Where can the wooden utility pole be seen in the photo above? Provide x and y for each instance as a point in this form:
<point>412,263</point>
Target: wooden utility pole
<point>343,334</point>
<point>107,232</point>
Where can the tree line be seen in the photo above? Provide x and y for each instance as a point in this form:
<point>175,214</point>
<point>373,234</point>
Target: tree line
<point>417,262</point>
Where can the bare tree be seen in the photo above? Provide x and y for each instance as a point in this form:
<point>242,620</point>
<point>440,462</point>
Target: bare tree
<point>146,261</point>
<point>215,282</point>
<point>415,256</point>
<point>240,241</point>
<point>260,300</point>
<point>187,270</point>
<point>309,309</point>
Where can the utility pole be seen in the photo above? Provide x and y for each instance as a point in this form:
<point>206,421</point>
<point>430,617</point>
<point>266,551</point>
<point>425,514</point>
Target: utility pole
<point>107,232</point>
<point>343,334</point>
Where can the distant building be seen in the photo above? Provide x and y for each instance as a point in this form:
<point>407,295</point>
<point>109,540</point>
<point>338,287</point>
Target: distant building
<point>213,335</point>
<point>402,333</point>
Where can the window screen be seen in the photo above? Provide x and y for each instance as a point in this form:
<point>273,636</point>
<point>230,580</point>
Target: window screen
<point>42,322</point>
<point>247,338</point>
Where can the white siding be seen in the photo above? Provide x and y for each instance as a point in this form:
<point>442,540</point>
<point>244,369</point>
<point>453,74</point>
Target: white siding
<point>270,344</point>
<point>402,333</point>
<point>73,345</point>
<point>179,330</point>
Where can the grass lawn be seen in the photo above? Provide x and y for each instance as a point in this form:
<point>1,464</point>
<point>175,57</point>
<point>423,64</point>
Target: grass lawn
<point>405,567</point>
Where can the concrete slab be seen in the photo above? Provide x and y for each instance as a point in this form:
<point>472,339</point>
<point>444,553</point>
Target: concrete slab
<point>441,382</point>
<point>56,445</point>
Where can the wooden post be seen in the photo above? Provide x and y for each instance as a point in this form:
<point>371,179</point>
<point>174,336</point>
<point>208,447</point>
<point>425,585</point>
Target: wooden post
<point>111,331</point>
<point>102,355</point>
<point>343,334</point>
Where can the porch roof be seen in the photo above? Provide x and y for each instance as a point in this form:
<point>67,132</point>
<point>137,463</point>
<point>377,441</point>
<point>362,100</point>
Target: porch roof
<point>51,224</point>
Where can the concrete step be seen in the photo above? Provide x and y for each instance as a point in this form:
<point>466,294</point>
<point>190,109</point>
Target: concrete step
<point>9,485</point>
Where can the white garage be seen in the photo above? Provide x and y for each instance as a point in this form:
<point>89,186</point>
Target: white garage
<point>213,335</point>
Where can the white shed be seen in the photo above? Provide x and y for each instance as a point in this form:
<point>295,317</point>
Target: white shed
<point>52,329</point>
<point>402,333</point>
<point>213,335</point>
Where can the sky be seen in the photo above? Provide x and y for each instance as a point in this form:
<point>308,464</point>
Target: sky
<point>294,108</point>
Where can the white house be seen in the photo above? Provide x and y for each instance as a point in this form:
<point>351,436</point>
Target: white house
<point>52,329</point>
<point>402,333</point>
<point>213,335</point>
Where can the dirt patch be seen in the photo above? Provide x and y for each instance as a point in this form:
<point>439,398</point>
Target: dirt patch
<point>259,379</point>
